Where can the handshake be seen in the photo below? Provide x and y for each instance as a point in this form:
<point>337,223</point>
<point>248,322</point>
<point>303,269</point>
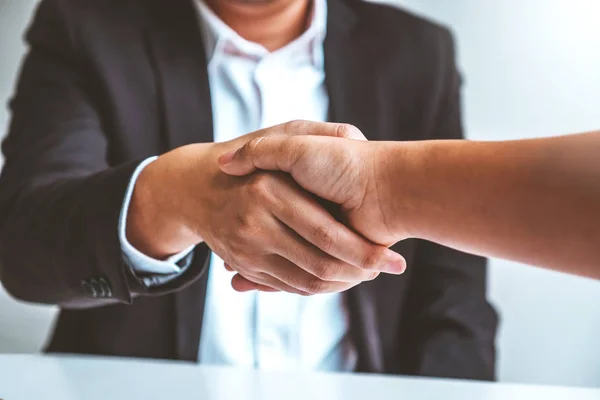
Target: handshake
<point>257,201</point>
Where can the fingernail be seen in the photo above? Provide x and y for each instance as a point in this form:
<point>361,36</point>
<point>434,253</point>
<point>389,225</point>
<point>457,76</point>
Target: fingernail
<point>227,157</point>
<point>396,265</point>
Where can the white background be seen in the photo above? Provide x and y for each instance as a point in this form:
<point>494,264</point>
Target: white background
<point>531,68</point>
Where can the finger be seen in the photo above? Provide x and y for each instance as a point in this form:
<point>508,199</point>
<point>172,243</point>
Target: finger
<point>285,244</point>
<point>264,282</point>
<point>241,284</point>
<point>302,282</point>
<point>257,275</point>
<point>316,262</point>
<point>299,211</point>
<point>303,127</point>
<point>285,155</point>
<point>270,267</point>
<point>275,153</point>
<point>257,281</point>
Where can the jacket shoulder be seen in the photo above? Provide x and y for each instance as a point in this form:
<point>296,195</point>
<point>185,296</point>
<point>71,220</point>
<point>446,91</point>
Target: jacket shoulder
<point>79,14</point>
<point>388,23</point>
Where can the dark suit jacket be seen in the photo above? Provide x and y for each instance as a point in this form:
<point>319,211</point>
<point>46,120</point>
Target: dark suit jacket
<point>108,83</point>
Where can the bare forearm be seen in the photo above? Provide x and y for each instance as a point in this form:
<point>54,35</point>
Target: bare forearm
<point>534,201</point>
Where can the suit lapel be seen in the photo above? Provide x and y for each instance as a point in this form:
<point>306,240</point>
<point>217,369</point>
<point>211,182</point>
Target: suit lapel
<point>352,84</point>
<point>350,71</point>
<point>176,49</point>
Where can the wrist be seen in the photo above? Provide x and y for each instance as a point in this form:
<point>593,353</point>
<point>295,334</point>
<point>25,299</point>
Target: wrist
<point>166,213</point>
<point>154,224</point>
<point>401,177</point>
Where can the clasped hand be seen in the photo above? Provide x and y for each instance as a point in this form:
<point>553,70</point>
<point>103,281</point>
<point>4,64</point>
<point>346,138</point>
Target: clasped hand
<point>265,226</point>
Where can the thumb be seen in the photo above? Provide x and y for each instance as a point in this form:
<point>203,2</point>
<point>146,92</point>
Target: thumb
<point>275,153</point>
<point>332,129</point>
<point>310,128</point>
<point>273,149</point>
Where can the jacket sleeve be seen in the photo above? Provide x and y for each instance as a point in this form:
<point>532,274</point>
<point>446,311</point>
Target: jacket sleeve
<point>451,327</point>
<point>59,198</point>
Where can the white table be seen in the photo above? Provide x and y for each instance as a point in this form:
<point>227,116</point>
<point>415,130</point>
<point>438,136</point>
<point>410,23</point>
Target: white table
<point>64,378</point>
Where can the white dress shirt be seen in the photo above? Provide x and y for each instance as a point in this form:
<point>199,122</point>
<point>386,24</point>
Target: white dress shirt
<point>251,89</point>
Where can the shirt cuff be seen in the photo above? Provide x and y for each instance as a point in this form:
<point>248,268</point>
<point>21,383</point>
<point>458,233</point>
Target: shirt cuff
<point>152,271</point>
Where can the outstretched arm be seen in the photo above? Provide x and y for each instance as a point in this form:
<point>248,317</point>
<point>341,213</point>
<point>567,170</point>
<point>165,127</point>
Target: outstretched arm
<point>535,201</point>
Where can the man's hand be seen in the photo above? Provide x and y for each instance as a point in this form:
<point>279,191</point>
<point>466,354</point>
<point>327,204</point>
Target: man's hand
<point>477,197</point>
<point>264,226</point>
<point>344,171</point>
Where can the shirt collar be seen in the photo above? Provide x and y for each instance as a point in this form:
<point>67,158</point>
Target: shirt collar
<point>219,38</point>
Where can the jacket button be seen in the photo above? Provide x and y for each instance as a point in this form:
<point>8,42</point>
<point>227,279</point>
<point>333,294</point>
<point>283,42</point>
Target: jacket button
<point>96,285</point>
<point>89,289</point>
<point>105,286</point>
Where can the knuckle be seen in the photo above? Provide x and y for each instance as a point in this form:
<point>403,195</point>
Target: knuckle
<point>260,181</point>
<point>241,263</point>
<point>347,131</point>
<point>324,238</point>
<point>372,276</point>
<point>326,270</point>
<point>252,146</point>
<point>290,145</point>
<point>372,259</point>
<point>294,126</point>
<point>262,278</point>
<point>233,250</point>
<point>261,186</point>
<point>314,285</point>
<point>254,270</point>
<point>249,226</point>
<point>291,150</point>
